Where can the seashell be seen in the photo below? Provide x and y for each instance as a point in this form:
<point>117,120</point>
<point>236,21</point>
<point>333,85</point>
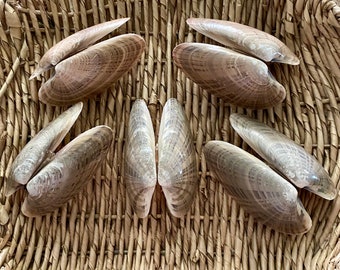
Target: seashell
<point>40,148</point>
<point>70,169</point>
<point>246,39</point>
<point>257,188</point>
<point>91,71</point>
<point>177,166</point>
<point>301,168</point>
<point>236,78</point>
<point>75,43</point>
<point>140,159</point>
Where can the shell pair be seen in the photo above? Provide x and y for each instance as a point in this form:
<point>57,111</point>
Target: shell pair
<point>238,79</point>
<point>177,166</point>
<point>262,192</point>
<point>52,179</point>
<point>83,70</point>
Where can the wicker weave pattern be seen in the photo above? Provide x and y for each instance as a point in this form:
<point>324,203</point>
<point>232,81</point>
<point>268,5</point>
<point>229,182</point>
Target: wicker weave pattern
<point>98,229</point>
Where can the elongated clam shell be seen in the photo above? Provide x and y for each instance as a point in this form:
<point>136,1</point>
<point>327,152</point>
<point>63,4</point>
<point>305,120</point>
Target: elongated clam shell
<point>68,172</point>
<point>177,166</point>
<point>39,148</point>
<point>246,39</point>
<point>91,71</point>
<point>140,159</point>
<point>75,43</point>
<point>301,168</point>
<point>236,78</point>
<point>257,188</point>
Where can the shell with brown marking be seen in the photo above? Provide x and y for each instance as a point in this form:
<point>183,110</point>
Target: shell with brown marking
<point>236,78</point>
<point>68,172</point>
<point>293,161</point>
<point>260,191</point>
<point>246,39</point>
<point>53,179</point>
<point>177,166</point>
<point>82,69</point>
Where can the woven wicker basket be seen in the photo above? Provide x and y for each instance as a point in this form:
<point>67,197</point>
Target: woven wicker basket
<point>98,229</point>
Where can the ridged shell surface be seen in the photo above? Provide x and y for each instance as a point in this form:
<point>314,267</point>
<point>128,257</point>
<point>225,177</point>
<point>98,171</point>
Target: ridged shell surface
<point>257,188</point>
<point>177,165</point>
<point>301,168</point>
<point>68,172</point>
<point>246,39</point>
<point>92,71</point>
<point>40,148</point>
<point>75,43</point>
<point>140,159</point>
<point>236,78</point>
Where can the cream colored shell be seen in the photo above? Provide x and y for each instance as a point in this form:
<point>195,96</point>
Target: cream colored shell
<point>40,148</point>
<point>257,188</point>
<point>246,39</point>
<point>140,159</point>
<point>301,168</point>
<point>53,179</point>
<point>177,166</point>
<point>68,172</point>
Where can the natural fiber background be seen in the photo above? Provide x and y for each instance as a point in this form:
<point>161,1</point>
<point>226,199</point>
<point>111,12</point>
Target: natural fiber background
<point>98,229</point>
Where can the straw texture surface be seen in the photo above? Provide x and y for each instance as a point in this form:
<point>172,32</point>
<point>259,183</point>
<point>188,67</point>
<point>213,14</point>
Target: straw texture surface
<point>98,229</point>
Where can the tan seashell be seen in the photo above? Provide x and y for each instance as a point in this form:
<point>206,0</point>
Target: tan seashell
<point>301,168</point>
<point>140,159</point>
<point>246,39</point>
<point>257,188</point>
<point>75,43</point>
<point>70,169</point>
<point>39,148</point>
<point>236,78</point>
<point>177,166</point>
<point>91,71</point>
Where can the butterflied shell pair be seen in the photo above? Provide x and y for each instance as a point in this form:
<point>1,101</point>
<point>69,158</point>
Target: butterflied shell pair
<point>51,180</point>
<point>261,191</point>
<point>177,171</point>
<point>239,79</point>
<point>81,69</point>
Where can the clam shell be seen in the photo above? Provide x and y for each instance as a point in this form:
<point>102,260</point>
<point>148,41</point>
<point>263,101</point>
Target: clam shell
<point>39,148</point>
<point>257,188</point>
<point>236,78</point>
<point>75,43</point>
<point>68,172</point>
<point>91,71</point>
<point>140,159</point>
<point>301,168</point>
<point>246,39</point>
<point>177,166</point>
